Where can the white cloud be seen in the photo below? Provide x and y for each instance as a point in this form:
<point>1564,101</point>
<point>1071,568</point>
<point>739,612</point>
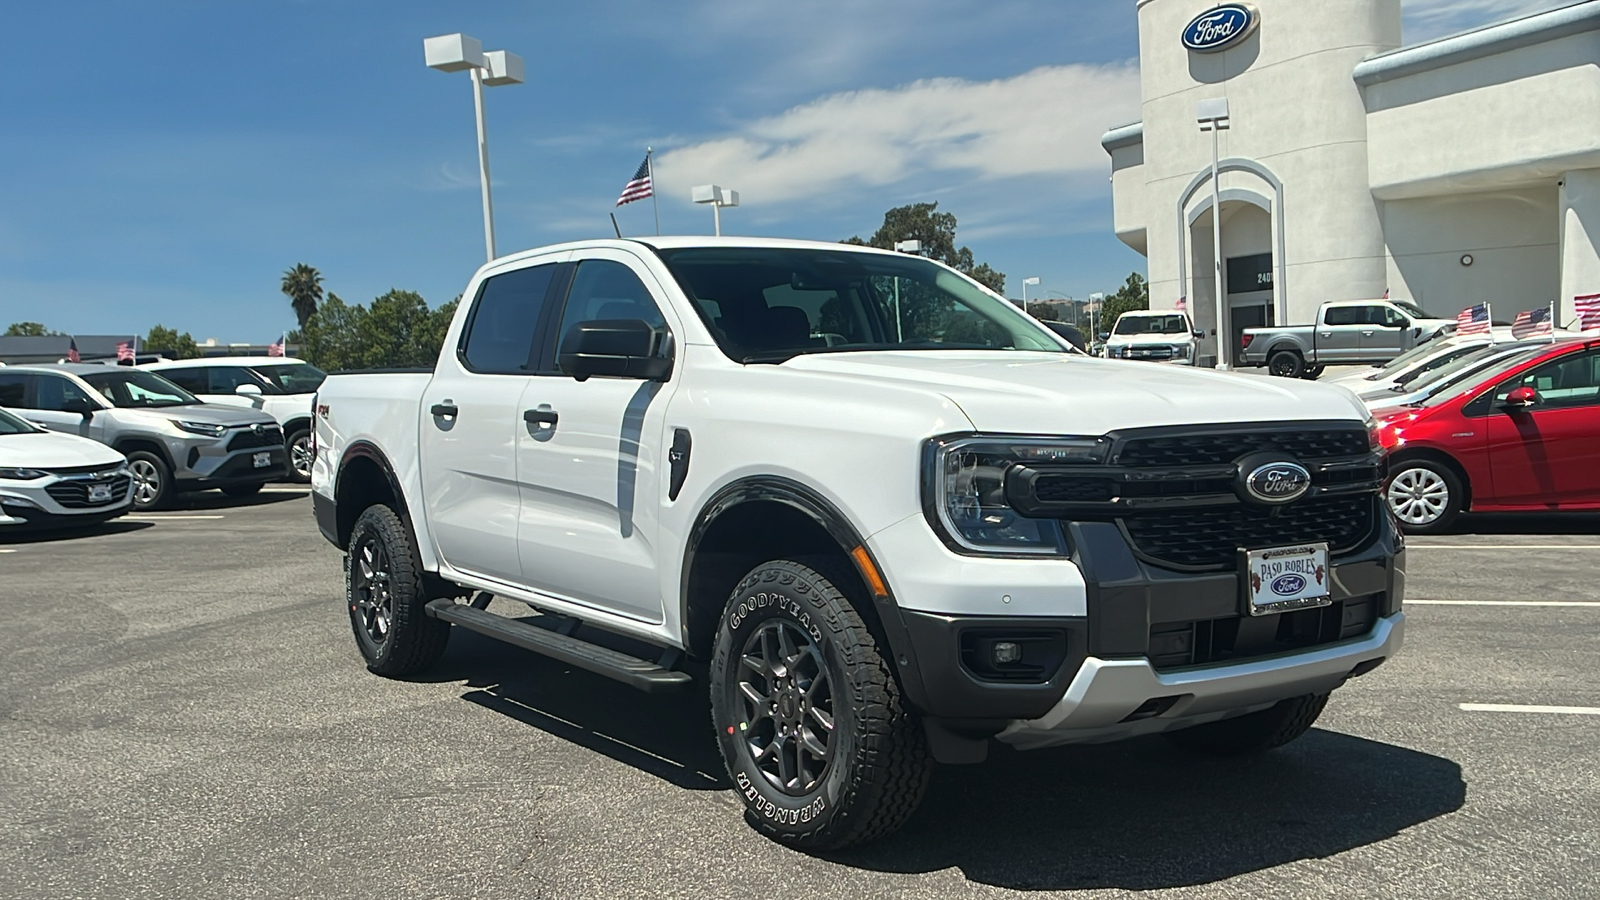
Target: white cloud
<point>1046,122</point>
<point>1428,19</point>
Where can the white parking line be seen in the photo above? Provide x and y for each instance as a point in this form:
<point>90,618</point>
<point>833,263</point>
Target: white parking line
<point>1502,603</point>
<point>1513,707</point>
<point>7,551</point>
<point>1414,546</point>
<point>163,518</point>
<point>285,490</point>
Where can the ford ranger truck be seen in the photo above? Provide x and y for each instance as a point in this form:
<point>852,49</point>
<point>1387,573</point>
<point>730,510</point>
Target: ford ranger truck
<point>880,516</point>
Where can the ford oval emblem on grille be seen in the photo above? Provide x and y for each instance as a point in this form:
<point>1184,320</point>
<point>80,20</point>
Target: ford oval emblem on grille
<point>1277,482</point>
<point>1220,28</point>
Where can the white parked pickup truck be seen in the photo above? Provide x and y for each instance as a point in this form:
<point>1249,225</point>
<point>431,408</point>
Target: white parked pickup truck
<point>883,515</point>
<point>1156,335</point>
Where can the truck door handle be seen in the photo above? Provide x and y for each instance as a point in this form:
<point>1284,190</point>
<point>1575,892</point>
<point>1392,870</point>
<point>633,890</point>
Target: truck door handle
<point>1366,334</point>
<point>445,410</point>
<point>544,415</point>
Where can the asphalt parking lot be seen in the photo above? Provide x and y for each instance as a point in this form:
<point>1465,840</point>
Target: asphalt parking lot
<point>185,715</point>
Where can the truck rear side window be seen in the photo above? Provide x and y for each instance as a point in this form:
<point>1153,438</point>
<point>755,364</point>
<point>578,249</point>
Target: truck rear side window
<point>500,334</point>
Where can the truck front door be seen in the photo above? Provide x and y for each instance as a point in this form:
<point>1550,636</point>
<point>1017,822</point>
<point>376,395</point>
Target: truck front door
<point>1386,333</point>
<point>589,456</point>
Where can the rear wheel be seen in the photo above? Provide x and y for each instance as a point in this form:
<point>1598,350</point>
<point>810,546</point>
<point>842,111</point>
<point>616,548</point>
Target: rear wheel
<point>383,589</point>
<point>300,456</point>
<point>1254,732</point>
<point>1286,364</point>
<point>818,741</point>
<point>1426,496</point>
<point>1314,372</point>
<point>152,480</point>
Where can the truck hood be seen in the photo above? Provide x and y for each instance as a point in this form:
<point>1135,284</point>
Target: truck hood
<point>51,450</point>
<point>1057,393</point>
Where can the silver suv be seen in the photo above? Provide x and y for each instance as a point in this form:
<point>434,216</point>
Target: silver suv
<point>173,441</point>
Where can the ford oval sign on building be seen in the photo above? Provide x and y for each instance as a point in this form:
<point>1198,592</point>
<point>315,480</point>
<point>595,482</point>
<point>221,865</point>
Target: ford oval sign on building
<point>1221,27</point>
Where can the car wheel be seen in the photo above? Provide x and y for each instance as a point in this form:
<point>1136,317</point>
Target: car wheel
<point>1286,364</point>
<point>818,741</point>
<point>1314,372</point>
<point>383,588</point>
<point>152,480</point>
<point>300,456</point>
<point>242,490</point>
<point>1255,732</point>
<point>1425,496</point>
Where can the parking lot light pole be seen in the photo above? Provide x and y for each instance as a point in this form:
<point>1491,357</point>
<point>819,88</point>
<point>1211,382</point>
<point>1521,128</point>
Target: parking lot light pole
<point>1095,299</point>
<point>719,197</point>
<point>1213,117</point>
<point>1025,283</point>
<point>914,248</point>
<point>454,52</point>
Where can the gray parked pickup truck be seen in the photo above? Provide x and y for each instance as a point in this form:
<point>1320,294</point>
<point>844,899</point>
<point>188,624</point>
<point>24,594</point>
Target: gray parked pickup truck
<point>1347,332</point>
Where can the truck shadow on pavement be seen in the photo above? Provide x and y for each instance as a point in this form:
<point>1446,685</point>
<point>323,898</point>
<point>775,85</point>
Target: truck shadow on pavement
<point>75,532</point>
<point>1138,815</point>
<point>1562,523</point>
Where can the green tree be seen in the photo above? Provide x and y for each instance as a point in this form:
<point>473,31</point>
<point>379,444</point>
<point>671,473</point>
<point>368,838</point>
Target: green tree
<point>398,329</point>
<point>170,343</point>
<point>937,232</point>
<point>1045,312</point>
<point>1134,294</point>
<point>303,286</point>
<point>28,329</point>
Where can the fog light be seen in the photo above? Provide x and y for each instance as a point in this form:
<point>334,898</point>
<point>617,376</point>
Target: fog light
<point>1007,653</point>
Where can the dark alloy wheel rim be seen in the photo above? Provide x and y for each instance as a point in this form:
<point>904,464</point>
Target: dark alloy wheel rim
<point>369,587</point>
<point>785,693</point>
<point>1283,367</point>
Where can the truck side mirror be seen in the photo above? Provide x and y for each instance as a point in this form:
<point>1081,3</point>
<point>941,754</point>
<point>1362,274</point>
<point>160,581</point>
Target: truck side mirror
<point>615,348</point>
<point>248,390</point>
<point>81,406</point>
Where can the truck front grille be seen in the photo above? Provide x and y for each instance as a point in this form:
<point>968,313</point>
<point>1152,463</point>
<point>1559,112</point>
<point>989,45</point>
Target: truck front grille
<point>1210,537</point>
<point>1227,446</point>
<point>74,493</point>
<point>250,439</point>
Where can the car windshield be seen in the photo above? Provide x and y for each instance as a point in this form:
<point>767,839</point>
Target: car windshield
<point>1406,359</point>
<point>10,424</point>
<point>1472,369</point>
<point>768,305</point>
<point>1421,369</point>
<point>293,378</point>
<point>138,390</point>
<point>1130,324</point>
<point>1411,309</point>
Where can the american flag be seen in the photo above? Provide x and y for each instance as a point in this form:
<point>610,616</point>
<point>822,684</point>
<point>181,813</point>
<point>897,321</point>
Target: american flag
<point>276,349</point>
<point>125,351</point>
<point>1473,320</point>
<point>1531,322</point>
<point>1183,304</point>
<point>72,351</point>
<point>640,186</point>
<point>1587,307</point>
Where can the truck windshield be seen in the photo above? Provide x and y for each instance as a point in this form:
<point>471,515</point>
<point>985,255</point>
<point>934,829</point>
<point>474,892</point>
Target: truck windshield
<point>139,390</point>
<point>1130,324</point>
<point>768,305</point>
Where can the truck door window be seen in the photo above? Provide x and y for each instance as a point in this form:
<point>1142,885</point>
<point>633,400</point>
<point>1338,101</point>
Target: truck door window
<point>603,289</point>
<point>226,379</point>
<point>55,392</point>
<point>1345,315</point>
<point>505,317</point>
<point>195,381</point>
<point>1385,317</point>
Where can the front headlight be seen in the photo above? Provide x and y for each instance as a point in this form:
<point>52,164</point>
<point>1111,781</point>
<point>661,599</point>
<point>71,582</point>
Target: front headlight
<point>966,491</point>
<point>20,474</point>
<point>205,428</point>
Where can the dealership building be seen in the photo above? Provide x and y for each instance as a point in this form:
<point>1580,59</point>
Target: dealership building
<point>1449,173</point>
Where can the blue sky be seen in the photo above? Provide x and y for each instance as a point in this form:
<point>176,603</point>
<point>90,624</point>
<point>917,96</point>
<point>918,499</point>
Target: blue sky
<point>164,162</point>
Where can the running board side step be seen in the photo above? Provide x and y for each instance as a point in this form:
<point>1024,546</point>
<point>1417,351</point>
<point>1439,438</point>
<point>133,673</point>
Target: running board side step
<point>647,676</point>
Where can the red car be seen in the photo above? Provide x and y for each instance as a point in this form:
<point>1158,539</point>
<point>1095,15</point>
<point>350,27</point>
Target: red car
<point>1524,437</point>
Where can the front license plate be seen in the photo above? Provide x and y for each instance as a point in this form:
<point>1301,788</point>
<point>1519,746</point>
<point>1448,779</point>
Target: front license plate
<point>263,460</point>
<point>1284,578</point>
<point>99,493</point>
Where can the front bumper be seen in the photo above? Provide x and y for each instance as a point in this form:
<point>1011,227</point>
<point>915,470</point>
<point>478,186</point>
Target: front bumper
<point>211,465</point>
<point>31,503</point>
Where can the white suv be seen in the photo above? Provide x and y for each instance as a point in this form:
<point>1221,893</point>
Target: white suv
<point>278,386</point>
<point>49,479</point>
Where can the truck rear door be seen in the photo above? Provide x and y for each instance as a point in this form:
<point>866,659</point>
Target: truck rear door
<point>470,419</point>
<point>1339,334</point>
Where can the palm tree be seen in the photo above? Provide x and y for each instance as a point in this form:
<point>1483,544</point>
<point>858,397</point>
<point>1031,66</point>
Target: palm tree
<point>303,285</point>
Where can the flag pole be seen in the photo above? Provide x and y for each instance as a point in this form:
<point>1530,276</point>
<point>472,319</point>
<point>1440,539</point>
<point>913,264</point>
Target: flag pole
<point>651,167</point>
<point>1552,321</point>
<point>1488,316</point>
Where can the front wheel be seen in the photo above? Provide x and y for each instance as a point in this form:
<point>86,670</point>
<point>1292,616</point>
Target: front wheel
<point>383,588</point>
<point>817,739</point>
<point>152,480</point>
<point>1254,732</point>
<point>1425,496</point>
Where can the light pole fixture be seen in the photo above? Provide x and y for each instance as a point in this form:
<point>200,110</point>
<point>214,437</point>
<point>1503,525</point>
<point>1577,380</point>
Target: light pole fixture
<point>908,247</point>
<point>1213,117</point>
<point>1025,283</point>
<point>1095,299</point>
<point>454,52</point>
<point>719,197</point>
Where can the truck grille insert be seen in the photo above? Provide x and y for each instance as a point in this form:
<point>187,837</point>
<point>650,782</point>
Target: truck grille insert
<point>1174,645</point>
<point>1210,537</point>
<point>1224,447</point>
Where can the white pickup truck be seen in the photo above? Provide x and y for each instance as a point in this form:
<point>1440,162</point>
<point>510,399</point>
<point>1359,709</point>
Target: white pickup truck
<point>884,515</point>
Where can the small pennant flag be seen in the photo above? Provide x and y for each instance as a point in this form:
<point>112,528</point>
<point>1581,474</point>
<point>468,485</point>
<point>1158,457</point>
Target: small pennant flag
<point>72,351</point>
<point>640,186</point>
<point>1588,309</point>
<point>1531,322</point>
<point>1473,320</point>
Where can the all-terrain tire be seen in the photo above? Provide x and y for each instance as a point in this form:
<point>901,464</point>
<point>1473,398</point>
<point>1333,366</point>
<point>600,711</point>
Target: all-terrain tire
<point>386,600</point>
<point>1255,732</point>
<point>877,765</point>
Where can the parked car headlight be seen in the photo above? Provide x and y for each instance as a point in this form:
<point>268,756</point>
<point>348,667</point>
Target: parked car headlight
<point>21,474</point>
<point>205,428</point>
<point>964,491</point>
